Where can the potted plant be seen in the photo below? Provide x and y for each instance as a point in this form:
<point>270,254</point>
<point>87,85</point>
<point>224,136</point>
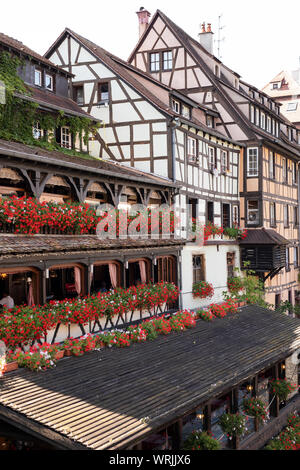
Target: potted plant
<point>202,290</point>
<point>255,408</point>
<point>198,440</point>
<point>282,388</point>
<point>233,425</point>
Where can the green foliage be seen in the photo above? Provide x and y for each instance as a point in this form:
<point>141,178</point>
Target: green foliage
<point>289,438</point>
<point>251,288</point>
<point>18,115</point>
<point>201,441</point>
<point>233,424</point>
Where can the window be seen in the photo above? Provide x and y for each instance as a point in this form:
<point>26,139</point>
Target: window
<point>292,106</point>
<point>257,118</point>
<point>186,112</point>
<point>167,60</point>
<point>277,129</point>
<point>37,131</point>
<point>235,216</point>
<point>209,121</point>
<point>295,173</point>
<point>272,214</point>
<point>286,216</point>
<point>269,124</point>
<point>210,212</point>
<point>295,216</point>
<point>296,257</point>
<point>287,265</point>
<point>49,82</point>
<point>230,264</point>
<point>154,62</point>
<point>103,92</point>
<point>38,77</point>
<point>284,169</point>
<point>275,86</point>
<point>252,114</point>
<point>192,150</point>
<point>212,158</point>
<point>252,161</point>
<point>263,120</point>
<point>176,106</point>
<point>224,161</point>
<point>272,161</point>
<point>226,215</point>
<point>277,301</point>
<point>198,268</point>
<point>253,212</point>
<point>65,137</point>
<point>78,94</point>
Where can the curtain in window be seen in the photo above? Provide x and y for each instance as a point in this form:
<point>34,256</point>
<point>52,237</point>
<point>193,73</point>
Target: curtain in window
<point>30,298</point>
<point>77,276</point>
<point>142,265</point>
<point>113,274</point>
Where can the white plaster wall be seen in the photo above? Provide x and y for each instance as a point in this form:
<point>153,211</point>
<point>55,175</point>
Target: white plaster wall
<point>216,272</point>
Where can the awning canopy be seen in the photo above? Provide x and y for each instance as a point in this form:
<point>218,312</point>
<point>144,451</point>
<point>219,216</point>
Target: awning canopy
<point>113,398</point>
<point>263,236</point>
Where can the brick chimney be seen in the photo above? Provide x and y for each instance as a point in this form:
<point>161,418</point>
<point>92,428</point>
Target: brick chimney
<point>206,37</point>
<point>143,16</point>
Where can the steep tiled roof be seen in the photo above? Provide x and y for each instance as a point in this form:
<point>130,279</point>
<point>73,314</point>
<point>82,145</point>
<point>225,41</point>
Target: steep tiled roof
<point>113,398</point>
<point>263,236</point>
<point>18,46</point>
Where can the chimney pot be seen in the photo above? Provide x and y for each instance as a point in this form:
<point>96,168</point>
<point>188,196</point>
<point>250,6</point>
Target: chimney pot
<point>203,28</point>
<point>206,37</point>
<point>208,28</point>
<point>143,16</point>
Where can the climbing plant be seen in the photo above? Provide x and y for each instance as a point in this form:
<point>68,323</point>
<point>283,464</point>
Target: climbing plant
<point>18,114</point>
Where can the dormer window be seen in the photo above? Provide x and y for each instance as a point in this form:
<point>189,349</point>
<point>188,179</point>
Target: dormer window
<point>209,121</point>
<point>276,85</point>
<point>292,106</point>
<point>49,82</point>
<point>38,77</point>
<point>65,137</point>
<point>186,112</point>
<point>37,131</point>
<point>176,106</point>
<point>103,92</point>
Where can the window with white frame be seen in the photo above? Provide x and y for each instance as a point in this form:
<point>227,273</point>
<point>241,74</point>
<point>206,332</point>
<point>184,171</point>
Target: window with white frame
<point>49,82</point>
<point>38,77</point>
<point>186,111</point>
<point>263,120</point>
<point>269,124</point>
<point>257,117</point>
<point>167,60</point>
<point>292,106</point>
<point>252,114</point>
<point>175,106</point>
<point>276,85</point>
<point>284,169</point>
<point>295,173</point>
<point>224,161</point>
<point>192,149</point>
<point>212,158</point>
<point>154,62</point>
<point>37,131</point>
<point>253,212</point>
<point>252,161</point>
<point>65,137</point>
<point>296,257</point>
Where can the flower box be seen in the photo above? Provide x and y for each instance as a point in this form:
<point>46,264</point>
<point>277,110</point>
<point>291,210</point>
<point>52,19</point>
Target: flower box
<point>59,355</point>
<point>10,366</point>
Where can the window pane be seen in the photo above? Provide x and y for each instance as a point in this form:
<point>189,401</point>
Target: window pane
<point>154,62</point>
<point>167,60</point>
<point>38,77</point>
<point>49,82</point>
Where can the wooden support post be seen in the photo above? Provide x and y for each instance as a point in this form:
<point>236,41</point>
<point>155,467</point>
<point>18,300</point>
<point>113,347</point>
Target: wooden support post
<point>274,408</point>
<point>177,435</point>
<point>207,418</point>
<point>44,287</point>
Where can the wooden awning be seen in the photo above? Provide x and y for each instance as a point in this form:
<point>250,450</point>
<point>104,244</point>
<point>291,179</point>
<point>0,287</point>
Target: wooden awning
<point>9,174</point>
<point>112,399</point>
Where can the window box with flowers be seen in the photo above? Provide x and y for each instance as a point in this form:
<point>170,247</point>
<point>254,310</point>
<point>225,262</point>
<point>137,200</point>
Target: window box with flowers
<point>233,425</point>
<point>201,441</point>
<point>202,290</point>
<point>282,388</point>
<point>255,408</point>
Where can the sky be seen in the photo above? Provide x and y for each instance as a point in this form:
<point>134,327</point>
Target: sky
<point>262,37</point>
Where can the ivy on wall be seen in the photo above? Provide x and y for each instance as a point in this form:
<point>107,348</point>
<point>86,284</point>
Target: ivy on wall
<point>18,115</point>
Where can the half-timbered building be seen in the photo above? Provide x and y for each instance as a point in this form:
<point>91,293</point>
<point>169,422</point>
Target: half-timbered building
<point>269,163</point>
<point>150,126</point>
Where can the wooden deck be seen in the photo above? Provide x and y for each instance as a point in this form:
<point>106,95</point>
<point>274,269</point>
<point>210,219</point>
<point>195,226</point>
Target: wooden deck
<point>113,398</point>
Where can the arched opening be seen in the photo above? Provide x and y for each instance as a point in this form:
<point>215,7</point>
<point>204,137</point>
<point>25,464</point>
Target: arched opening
<point>65,281</point>
<point>105,275</point>
<point>138,272</point>
<point>21,284</point>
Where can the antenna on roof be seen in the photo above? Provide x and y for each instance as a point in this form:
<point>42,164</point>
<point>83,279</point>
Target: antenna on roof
<point>219,40</point>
